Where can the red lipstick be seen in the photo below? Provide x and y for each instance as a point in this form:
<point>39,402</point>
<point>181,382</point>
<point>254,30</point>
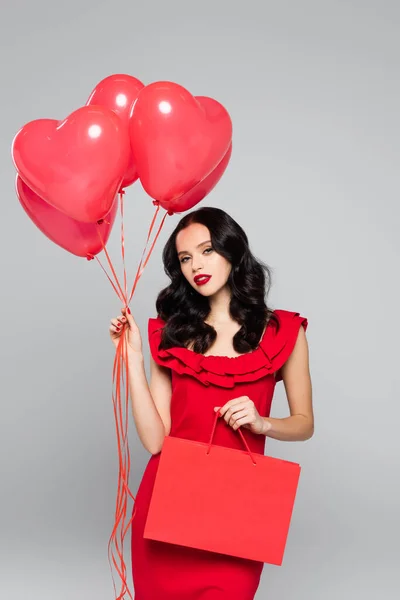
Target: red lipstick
<point>201,279</point>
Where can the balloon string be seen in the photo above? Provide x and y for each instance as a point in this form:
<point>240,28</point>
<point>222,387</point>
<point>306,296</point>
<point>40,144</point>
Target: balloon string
<point>123,477</point>
<point>111,266</point>
<point>121,498</point>
<point>123,452</point>
<point>154,243</point>
<point>121,198</point>
<point>140,269</point>
<point>109,278</point>
<point>120,378</point>
<point>144,250</point>
<point>122,352</point>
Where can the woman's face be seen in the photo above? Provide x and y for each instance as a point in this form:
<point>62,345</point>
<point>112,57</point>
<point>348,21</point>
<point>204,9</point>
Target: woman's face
<point>197,258</point>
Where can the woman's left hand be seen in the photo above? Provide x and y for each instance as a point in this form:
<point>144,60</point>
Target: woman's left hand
<point>241,412</point>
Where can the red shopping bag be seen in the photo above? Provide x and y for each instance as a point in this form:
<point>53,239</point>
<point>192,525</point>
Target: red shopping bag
<point>223,500</point>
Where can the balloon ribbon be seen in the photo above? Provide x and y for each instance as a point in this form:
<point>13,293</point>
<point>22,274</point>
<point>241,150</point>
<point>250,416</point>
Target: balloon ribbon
<point>121,412</point>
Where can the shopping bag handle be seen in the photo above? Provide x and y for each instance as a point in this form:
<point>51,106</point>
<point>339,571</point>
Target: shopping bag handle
<point>240,433</point>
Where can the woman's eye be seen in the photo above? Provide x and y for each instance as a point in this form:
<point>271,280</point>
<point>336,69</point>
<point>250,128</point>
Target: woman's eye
<point>208,250</point>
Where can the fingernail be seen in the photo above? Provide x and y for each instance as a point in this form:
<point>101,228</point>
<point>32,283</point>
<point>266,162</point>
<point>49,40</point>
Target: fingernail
<point>128,309</point>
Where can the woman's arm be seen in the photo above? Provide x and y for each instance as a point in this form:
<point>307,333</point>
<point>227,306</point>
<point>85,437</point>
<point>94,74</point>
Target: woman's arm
<point>297,381</point>
<point>150,403</point>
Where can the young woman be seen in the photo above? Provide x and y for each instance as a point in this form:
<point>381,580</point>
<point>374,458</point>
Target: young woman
<point>215,345</point>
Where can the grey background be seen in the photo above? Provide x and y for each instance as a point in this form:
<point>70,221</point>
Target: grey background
<point>313,91</point>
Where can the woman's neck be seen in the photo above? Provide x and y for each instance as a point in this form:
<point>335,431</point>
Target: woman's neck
<point>219,308</point>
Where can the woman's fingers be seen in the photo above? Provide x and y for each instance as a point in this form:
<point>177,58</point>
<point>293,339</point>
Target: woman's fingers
<point>129,318</point>
<point>116,324</point>
<point>125,318</point>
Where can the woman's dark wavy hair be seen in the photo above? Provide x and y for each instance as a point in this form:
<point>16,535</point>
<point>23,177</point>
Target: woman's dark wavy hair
<point>184,310</point>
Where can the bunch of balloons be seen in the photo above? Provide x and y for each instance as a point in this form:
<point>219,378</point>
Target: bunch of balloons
<point>69,172</point>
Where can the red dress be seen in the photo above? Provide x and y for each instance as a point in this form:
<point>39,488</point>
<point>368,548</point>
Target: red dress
<point>164,571</point>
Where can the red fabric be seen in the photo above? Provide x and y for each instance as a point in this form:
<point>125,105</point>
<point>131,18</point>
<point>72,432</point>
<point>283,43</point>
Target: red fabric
<point>172,572</point>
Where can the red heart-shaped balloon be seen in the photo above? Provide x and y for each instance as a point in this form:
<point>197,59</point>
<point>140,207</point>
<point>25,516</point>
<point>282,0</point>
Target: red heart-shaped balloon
<point>76,165</point>
<point>119,93</point>
<point>176,143</point>
<point>81,239</point>
<point>201,190</point>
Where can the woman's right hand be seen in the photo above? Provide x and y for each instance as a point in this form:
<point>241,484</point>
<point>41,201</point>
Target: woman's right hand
<point>127,324</point>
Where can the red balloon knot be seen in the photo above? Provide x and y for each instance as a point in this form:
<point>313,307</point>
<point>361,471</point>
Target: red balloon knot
<point>100,221</point>
<point>121,192</point>
<point>170,212</point>
<point>156,202</point>
<point>89,257</point>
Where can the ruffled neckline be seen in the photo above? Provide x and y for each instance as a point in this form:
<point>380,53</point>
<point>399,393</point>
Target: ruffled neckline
<point>228,370</point>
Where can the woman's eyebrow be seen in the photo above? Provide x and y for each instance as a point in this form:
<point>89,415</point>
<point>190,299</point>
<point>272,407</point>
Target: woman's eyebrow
<point>198,246</point>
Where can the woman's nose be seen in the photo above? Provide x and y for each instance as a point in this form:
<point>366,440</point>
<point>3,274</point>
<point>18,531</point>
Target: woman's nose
<point>196,265</point>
